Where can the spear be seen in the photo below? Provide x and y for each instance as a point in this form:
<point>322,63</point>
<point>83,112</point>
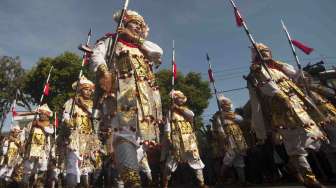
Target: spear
<point>46,87</point>
<point>174,74</point>
<point>174,71</point>
<point>241,22</point>
<point>297,61</point>
<point>111,64</point>
<point>44,93</point>
<point>84,61</point>
<point>13,109</point>
<point>112,48</point>
<point>212,80</point>
<point>305,85</point>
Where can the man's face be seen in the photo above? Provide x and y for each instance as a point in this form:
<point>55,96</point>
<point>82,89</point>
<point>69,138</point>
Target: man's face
<point>179,101</point>
<point>135,28</point>
<point>15,133</point>
<point>224,106</point>
<point>86,93</point>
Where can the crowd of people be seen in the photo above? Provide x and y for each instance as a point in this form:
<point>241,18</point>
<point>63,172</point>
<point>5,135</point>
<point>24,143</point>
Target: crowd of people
<point>121,137</point>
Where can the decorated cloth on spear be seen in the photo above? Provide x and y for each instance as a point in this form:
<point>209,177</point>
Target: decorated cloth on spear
<point>305,85</point>
<point>297,61</point>
<point>212,80</point>
<point>241,23</point>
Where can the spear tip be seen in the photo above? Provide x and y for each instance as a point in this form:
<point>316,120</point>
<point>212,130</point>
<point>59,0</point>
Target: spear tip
<point>233,4</point>
<point>90,31</point>
<point>126,4</point>
<point>207,57</point>
<point>283,24</point>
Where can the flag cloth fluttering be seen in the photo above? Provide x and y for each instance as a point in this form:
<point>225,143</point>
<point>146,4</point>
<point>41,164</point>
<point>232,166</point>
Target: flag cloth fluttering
<point>14,113</point>
<point>46,89</point>
<point>306,49</point>
<point>239,18</point>
<point>174,70</point>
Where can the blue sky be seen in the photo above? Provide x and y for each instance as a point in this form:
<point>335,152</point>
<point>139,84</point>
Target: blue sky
<point>37,28</point>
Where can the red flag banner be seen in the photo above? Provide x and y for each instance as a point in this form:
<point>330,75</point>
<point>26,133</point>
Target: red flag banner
<point>174,71</point>
<point>14,113</point>
<point>306,49</point>
<point>210,75</point>
<point>46,90</point>
<point>239,19</point>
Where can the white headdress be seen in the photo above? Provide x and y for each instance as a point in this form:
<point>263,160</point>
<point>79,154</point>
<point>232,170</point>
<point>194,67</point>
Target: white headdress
<point>44,109</point>
<point>131,15</point>
<point>176,94</point>
<point>84,83</point>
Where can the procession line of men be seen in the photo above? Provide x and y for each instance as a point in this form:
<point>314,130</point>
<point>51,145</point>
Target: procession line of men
<point>128,102</point>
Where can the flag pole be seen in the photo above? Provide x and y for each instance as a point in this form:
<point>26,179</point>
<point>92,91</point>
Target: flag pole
<point>84,60</point>
<point>14,109</point>
<point>212,80</point>
<point>305,84</point>
<point>173,88</point>
<point>241,22</point>
<point>46,87</point>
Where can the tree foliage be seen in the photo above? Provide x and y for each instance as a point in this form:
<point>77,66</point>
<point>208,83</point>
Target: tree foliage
<point>11,80</point>
<point>65,72</point>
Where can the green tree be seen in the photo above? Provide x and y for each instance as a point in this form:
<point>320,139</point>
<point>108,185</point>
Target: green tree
<point>11,80</point>
<point>65,72</point>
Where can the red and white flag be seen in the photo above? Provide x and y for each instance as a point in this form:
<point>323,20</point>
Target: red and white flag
<point>174,70</point>
<point>46,89</point>
<point>14,113</point>
<point>306,49</point>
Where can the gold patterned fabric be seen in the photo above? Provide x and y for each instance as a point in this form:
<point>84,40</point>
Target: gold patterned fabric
<point>282,117</point>
<point>17,174</point>
<point>38,143</point>
<point>233,137</point>
<point>13,152</point>
<point>325,107</point>
<point>139,103</point>
<point>183,138</point>
<point>130,177</point>
<point>82,137</point>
